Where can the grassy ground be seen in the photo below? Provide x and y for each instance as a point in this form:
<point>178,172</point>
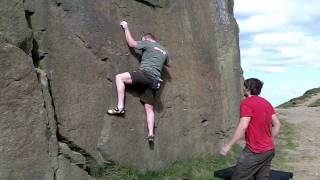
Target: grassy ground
<point>315,104</point>
<point>201,168</point>
<point>284,143</point>
<point>204,167</point>
<point>299,100</point>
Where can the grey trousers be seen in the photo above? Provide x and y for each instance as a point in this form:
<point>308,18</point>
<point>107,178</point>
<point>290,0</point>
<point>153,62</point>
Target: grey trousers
<point>253,165</point>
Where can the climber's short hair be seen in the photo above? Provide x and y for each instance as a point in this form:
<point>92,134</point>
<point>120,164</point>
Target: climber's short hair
<point>148,35</point>
<point>253,85</point>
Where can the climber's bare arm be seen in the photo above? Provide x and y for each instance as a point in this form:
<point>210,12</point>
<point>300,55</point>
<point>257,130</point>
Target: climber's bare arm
<point>130,40</point>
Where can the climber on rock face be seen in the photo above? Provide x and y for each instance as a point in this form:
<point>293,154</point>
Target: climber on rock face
<point>147,77</point>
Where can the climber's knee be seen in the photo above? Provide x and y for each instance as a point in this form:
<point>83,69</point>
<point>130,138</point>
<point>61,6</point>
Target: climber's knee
<point>124,77</point>
<point>118,78</point>
<point>148,108</point>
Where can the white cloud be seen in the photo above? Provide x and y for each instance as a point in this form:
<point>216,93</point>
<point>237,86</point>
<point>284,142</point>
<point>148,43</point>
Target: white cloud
<point>284,88</point>
<point>271,69</point>
<point>261,6</point>
<point>276,16</point>
<point>276,69</point>
<point>260,23</point>
<point>278,34</point>
<point>288,10</point>
<point>280,44</point>
<point>287,38</point>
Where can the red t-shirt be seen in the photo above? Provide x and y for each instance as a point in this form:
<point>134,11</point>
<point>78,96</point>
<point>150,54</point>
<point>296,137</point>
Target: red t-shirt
<point>258,135</point>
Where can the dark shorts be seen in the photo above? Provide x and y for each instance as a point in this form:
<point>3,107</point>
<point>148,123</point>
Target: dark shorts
<point>144,83</point>
<point>252,164</point>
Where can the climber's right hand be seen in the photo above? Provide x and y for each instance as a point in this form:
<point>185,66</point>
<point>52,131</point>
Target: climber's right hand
<point>124,24</point>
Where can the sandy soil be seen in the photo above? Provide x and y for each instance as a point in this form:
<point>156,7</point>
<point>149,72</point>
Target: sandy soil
<point>305,159</point>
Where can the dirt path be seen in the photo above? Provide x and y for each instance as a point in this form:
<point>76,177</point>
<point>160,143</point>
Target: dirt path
<point>305,159</point>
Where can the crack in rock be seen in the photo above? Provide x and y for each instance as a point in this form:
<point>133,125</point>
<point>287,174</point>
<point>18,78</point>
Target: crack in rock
<point>91,164</point>
<point>151,3</point>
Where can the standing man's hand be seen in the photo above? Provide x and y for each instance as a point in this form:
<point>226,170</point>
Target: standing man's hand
<point>124,25</point>
<point>238,134</point>
<point>224,150</point>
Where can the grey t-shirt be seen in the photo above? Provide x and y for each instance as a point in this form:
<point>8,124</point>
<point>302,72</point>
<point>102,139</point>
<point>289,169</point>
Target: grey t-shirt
<point>154,56</point>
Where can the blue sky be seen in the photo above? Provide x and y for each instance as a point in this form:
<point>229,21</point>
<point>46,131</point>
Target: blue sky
<point>280,44</point>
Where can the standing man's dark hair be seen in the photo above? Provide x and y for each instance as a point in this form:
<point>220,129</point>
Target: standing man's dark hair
<point>260,126</point>
<point>254,85</point>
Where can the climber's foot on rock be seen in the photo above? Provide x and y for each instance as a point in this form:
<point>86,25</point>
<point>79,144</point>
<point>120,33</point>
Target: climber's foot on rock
<point>151,141</point>
<point>116,111</point>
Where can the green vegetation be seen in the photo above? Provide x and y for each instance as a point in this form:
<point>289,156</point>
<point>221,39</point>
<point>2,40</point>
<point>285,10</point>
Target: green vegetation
<point>315,104</point>
<point>299,100</point>
<point>201,168</point>
<point>287,135</point>
<point>284,143</point>
<point>48,133</point>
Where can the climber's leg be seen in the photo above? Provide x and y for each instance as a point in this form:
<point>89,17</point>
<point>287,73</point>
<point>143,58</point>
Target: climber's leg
<point>148,100</point>
<point>121,80</point>
<point>150,118</point>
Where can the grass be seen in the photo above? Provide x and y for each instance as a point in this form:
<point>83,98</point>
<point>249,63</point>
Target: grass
<point>201,168</point>
<point>315,104</point>
<point>284,143</point>
<point>287,135</point>
<point>301,99</point>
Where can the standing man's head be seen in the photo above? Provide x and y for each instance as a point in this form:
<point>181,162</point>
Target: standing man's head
<point>148,36</point>
<point>252,86</point>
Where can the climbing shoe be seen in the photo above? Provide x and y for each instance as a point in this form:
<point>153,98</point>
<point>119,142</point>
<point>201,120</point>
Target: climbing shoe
<point>116,111</point>
<point>150,139</point>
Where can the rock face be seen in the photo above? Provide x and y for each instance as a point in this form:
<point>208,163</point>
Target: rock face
<point>13,25</point>
<point>80,47</point>
<point>24,140</point>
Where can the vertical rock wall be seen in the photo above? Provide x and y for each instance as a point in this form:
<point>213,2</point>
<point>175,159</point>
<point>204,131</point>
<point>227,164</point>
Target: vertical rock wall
<point>80,47</point>
<point>27,145</point>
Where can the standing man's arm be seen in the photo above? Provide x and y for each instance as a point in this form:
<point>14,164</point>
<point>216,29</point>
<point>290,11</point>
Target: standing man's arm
<point>130,40</point>
<point>275,126</point>
<point>238,134</point>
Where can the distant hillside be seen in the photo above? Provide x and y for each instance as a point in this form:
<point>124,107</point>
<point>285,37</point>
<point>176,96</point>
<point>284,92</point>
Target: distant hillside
<point>310,98</point>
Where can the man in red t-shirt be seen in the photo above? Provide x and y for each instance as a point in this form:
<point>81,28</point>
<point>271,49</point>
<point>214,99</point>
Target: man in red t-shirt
<point>260,125</point>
